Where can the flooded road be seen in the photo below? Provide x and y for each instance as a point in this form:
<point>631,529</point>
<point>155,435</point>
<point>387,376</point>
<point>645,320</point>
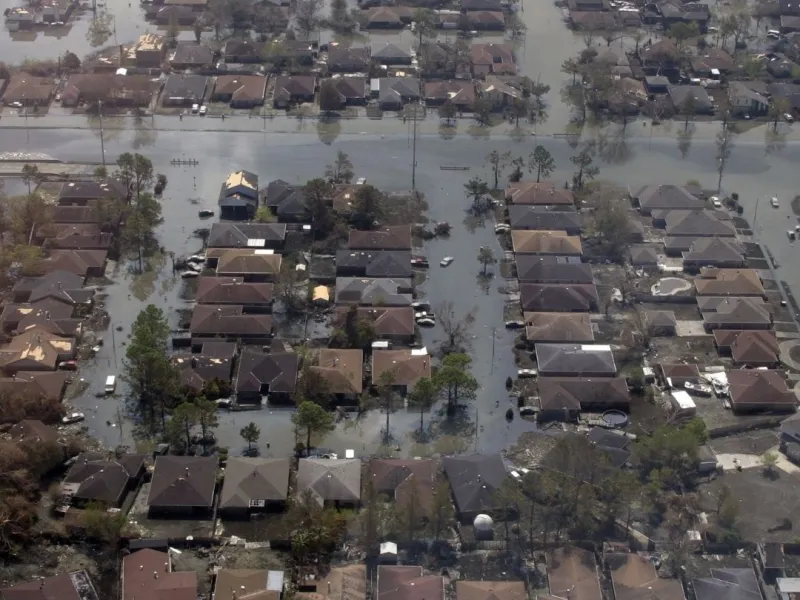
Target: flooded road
<point>386,162</point>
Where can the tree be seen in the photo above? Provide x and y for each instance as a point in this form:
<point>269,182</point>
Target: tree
<point>571,67</point>
<point>442,512</point>
<point>99,524</point>
<point>769,460</point>
<point>71,62</point>
<point>318,193</point>
<point>341,171</point>
<point>197,27</point>
<point>497,163</point>
<point>611,224</point>
<point>329,97</point>
<point>448,111</point>
<point>671,453</point>
<point>386,393</point>
<point>486,257</point>
<point>520,108</point>
<point>368,207</point>
<point>135,171</point>
<point>138,235</point>
<point>29,214</point>
<point>777,108</point>
<point>457,328</point>
<point>586,170</point>
<point>306,15</point>
<point>423,395</point>
<point>537,106</point>
<point>681,32</point>
<point>181,424</point>
<point>518,165</point>
<point>752,67</point>
<point>724,143</point>
<point>688,108</point>
<point>341,20</point>
<point>314,530</point>
<point>541,162</point>
<point>207,419</point>
<point>313,419</point>
<point>172,31</point>
<point>264,215</point>
<point>250,434</point>
<point>455,379</point>
<point>31,175</point>
<point>290,289</point>
<point>482,111</point>
<point>373,522</point>
<point>425,24</point>
<point>477,189</point>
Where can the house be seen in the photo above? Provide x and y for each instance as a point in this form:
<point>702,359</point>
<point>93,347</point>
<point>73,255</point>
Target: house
<point>188,55</point>
<point>733,583</point>
<point>408,583</point>
<point>82,193</point>
<point>744,98</point>
<point>460,94</point>
<point>554,297</point>
<point>501,91</point>
<point>675,375</point>
<point>371,263</point>
<point>712,59</point>
<point>58,286</point>
<point>659,58</point>
<point>374,292</point>
<point>113,90</point>
<point>83,263</point>
<point>395,237</point>
<point>213,364</point>
<point>353,91</point>
<point>656,84</point>
<point>254,484</point>
<point>484,20</point>
<point>572,572</point>
<point>285,52</point>
<point>76,214</point>
<point>403,368</point>
<point>575,360</point>
<point>74,236</point>
<point>552,269</point>
<point>252,297</point>
<point>734,313</point>
<point>240,91</point>
<point>250,265</point>
<point>147,52</point>
<point>249,584</point>
<point>547,218</point>
<point>184,90</point>
<point>184,16</point>
<point>343,370</point>
<point>287,201</point>
<point>760,391</point>
<point>97,477</point>
<point>789,24</point>
<point>558,327</point>
<point>148,573</point>
<point>724,253</point>
<point>28,90</point>
<point>644,255</point>
<point>75,585</point>
<point>543,193</point>
<point>13,315</point>
<point>342,59</point>
<point>563,398</point>
<point>468,5</point>
<point>388,17</point>
<point>661,322</point>
<point>627,96</point>
<point>35,349</point>
<point>229,322</point>
<point>244,51</point>
<point>788,91</point>
<point>294,89</point>
<point>616,60</point>
<point>183,484</point>
<point>493,59</point>
<point>690,98</point>
<point>584,20</point>
<point>334,481</point>
<point>696,223</point>
<point>35,384</point>
<point>729,282</point>
<point>247,235</point>
<point>396,92</point>
<point>408,482</point>
<point>546,242</point>
<point>674,11</point>
<point>474,480</point>
<point>588,5</point>
<point>19,19</point>
<point>238,195</point>
<point>347,582</point>
<point>750,347</point>
<point>31,430</point>
<point>665,197</point>
<point>778,65</point>
<point>634,575</point>
<point>490,590</point>
<point>385,53</point>
<point>392,323</point>
<point>262,375</point>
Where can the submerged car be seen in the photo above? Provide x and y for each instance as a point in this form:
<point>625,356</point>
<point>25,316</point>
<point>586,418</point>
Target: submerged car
<point>446,261</point>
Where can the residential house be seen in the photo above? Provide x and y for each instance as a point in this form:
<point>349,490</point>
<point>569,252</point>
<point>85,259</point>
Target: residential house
<point>634,575</point>
<point>724,253</point>
<point>468,5</point>
<point>343,59</point>
<point>240,91</point>
<point>656,84</point>
<point>353,91</point>
<point>552,269</point>
<point>789,91</point>
<point>110,89</point>
<point>694,223</point>
<point>475,479</point>
<point>102,478</point>
<point>588,5</point>
<point>86,192</point>
<point>729,282</point>
<point>392,323</point>
<point>666,197</point>
<point>294,89</point>
<point>372,263</point>
<point>493,59</point>
<point>546,242</point>
<point>778,65</point>
<point>238,195</point>
<point>261,375</point>
<point>582,20</point>
<point>18,19</point>
<point>35,349</point>
<point>627,96</point>
<point>182,485</point>
<point>76,585</point>
<point>76,214</point>
<point>229,322</point>
<point>249,584</point>
<point>28,90</point>
<point>31,430</point>
<point>47,385</point>
<point>386,53</point>
<point>563,398</point>
<point>21,318</point>
<point>644,255</point>
<point>331,481</point>
<point>575,360</point>
<point>147,52</point>
<point>616,60</point>
<point>189,55</point>
<point>745,98</point>
<point>408,583</point>
<point>659,58</point>
<point>13,315</point>
<point>247,235</point>
<point>56,286</point>
<point>547,218</point>
<point>543,193</point>
<point>184,90</point>
<point>374,292</point>
<point>661,322</point>
<point>343,370</point>
<point>733,583</point>
<point>83,263</point>
<point>284,52</point>
<point>459,93</point>
<point>396,92</point>
<point>501,91</point>
<point>572,572</point>
<point>558,327</point>
<point>252,297</point>
<point>214,364</point>
<point>691,99</point>
<point>712,62</point>
<point>347,582</point>
<point>789,24</point>
<point>253,266</point>
<point>554,297</point>
<point>483,20</point>
<point>408,482</point>
<point>254,484</point>
<point>674,11</point>
<point>244,51</point>
<point>755,390</point>
<point>403,367</point>
<point>394,237</point>
<point>148,573</point>
<point>74,236</point>
<point>287,202</point>
<point>748,347</point>
<point>676,375</point>
<point>734,313</point>
<point>388,17</point>
<point>184,16</point>
<point>490,590</point>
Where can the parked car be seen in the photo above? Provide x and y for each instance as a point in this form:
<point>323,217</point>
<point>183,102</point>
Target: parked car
<point>502,228</point>
<point>195,108</point>
<point>420,261</point>
<point>523,373</point>
<point>445,262</point>
<point>774,202</point>
<point>75,417</point>
<point>205,213</point>
<point>789,118</point>
<point>420,305</point>
<point>68,365</point>
<point>361,181</point>
<point>423,314</point>
<point>203,110</point>
<point>716,202</point>
<point>515,324</point>
<point>190,274</point>
<point>701,389</point>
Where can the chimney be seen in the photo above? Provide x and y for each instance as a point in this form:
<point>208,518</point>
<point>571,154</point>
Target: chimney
<point>155,574</point>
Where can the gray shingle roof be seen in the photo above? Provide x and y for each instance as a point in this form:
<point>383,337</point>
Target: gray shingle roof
<point>330,479</point>
<point>474,480</point>
<point>579,359</point>
<point>249,479</point>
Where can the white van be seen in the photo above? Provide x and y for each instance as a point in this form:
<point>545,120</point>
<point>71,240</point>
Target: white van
<point>111,384</point>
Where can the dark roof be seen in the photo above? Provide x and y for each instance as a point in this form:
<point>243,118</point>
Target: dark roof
<point>643,254</point>
<point>480,5</point>
<point>91,190</point>
<point>330,479</point>
<point>243,48</point>
<point>348,59</point>
<point>697,223</point>
<point>138,581</point>
<point>228,320</point>
<point>405,480</point>
<point>36,384</point>
<point>731,311</point>
<point>408,583</point>
<point>542,218</point>
<point>183,481</point>
<point>76,214</point>
<point>386,320</point>
<point>350,88</point>
<point>64,586</point>
<point>538,193</point>
<point>572,572</point>
<point>60,285</point>
<point>394,90</point>
<point>241,88</point>
<point>577,359</point>
<point>232,290</point>
<point>231,235</point>
<point>192,54</point>
<point>278,371</point>
<point>458,92</point>
<point>249,479</point>
<point>289,86</point>
<point>660,318</point>
<point>754,346</point>
<point>26,88</point>
<point>185,88</point>
<point>728,584</point>
<point>679,372</point>
<point>609,438</point>
<point>574,393</point>
<point>396,237</point>
<point>634,577</point>
<point>286,199</point>
<point>97,477</point>
<point>198,369</point>
<point>387,50</point>
<point>30,429</point>
<point>474,480</point>
<point>365,291</point>
<point>715,251</point>
<point>342,368</point>
<point>79,262</point>
<point>558,297</point>
<point>542,269</point>
<point>381,263</point>
<point>653,197</point>
<point>760,389</point>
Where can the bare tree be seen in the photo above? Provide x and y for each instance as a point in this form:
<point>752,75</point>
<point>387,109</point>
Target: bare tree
<point>306,15</point>
<point>724,145</point>
<point>456,327</point>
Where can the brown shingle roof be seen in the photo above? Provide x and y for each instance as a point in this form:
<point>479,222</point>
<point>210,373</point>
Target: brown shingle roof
<point>576,393</point>
<point>751,346</point>
<point>555,297</point>
<point>79,262</point>
<point>760,390</point>
<point>28,89</point>
<point>96,477</point>
<point>634,577</point>
<point>545,192</point>
<point>545,242</point>
<point>60,587</point>
<point>248,262</point>
<point>558,327</point>
<point>396,237</point>
<point>243,584</point>
<point>572,573</point>
<point>459,93</point>
<point>241,88</point>
<point>30,429</point>
<point>679,372</point>
<point>729,282</point>
<point>213,319</point>
<point>330,479</point>
<point>405,367</point>
<point>183,481</point>
<point>36,348</point>
<point>490,590</point>
<point>342,369</point>
<point>36,384</point>
<point>406,481</point>
<point>341,583</point>
<point>386,320</point>
<point>232,290</point>
<point>254,478</point>
<point>147,574</point>
<point>408,583</point>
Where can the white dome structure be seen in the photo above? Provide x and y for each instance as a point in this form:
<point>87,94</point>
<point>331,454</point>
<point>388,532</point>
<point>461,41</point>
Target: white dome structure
<point>484,527</point>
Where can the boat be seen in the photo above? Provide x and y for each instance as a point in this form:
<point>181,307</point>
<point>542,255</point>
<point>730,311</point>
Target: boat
<point>75,417</point>
<point>205,213</point>
<point>190,274</point>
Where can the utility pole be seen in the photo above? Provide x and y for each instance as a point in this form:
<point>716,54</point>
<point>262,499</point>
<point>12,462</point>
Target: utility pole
<point>414,154</point>
<point>25,112</point>
<point>102,142</point>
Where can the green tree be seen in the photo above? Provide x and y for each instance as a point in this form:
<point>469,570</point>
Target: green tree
<point>197,27</point>
<point>477,190</point>
<point>313,419</point>
<point>71,62</point>
<point>341,170</point>
<point>497,163</point>
<point>31,175</point>
<point>777,108</point>
<point>368,207</point>
<point>172,30</point>
<point>448,111</point>
<point>306,15</point>
<point>457,327</point>
<point>669,456</point>
<point>520,109</point>
<point>138,234</point>
<point>724,144</point>
<point>680,32</point>
<point>571,67</point>
<point>425,24</point>
<point>374,521</point>
<point>250,433</point>
<point>318,194</point>
<point>30,213</point>
<point>442,512</point>
<point>486,257</point>
<point>99,524</point>
<point>688,108</point>
<point>586,171</point>
<point>207,418</point>
<point>770,461</point>
<point>181,425</point>
<point>135,171</point>
<point>518,165</point>
<point>264,215</point>
<point>356,331</point>
<point>329,97</point>
<point>455,379</point>
<point>408,515</point>
<point>423,396</point>
<point>537,106</point>
<point>541,162</point>
<point>610,223</point>
<point>314,530</point>
<point>482,111</point>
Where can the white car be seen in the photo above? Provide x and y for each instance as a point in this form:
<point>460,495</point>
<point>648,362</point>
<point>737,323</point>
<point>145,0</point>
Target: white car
<point>774,202</point>
<point>715,202</point>
<point>203,110</point>
<point>195,108</point>
<point>75,417</point>
<point>361,181</point>
<point>446,261</point>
